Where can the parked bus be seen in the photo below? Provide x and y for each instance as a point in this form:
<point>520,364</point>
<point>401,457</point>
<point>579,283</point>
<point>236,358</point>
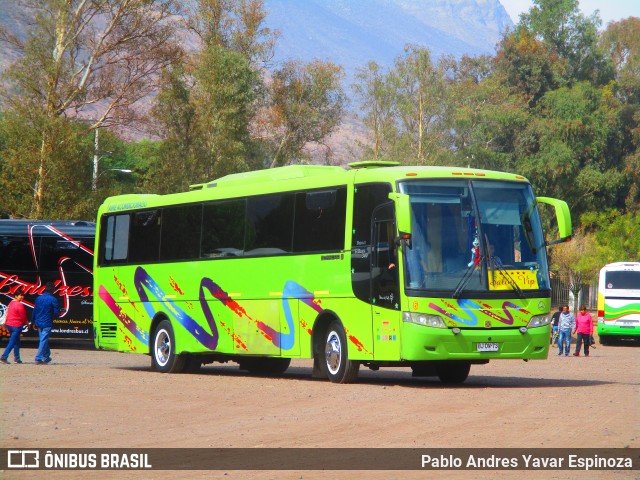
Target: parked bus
<point>619,301</point>
<point>34,252</point>
<point>426,267</point>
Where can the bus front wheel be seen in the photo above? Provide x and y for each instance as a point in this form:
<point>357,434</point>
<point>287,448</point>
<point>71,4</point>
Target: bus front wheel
<point>453,372</point>
<point>336,359</point>
<point>163,355</point>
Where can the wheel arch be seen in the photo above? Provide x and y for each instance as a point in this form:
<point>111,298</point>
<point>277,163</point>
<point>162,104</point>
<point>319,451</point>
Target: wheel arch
<point>320,326</point>
<point>159,317</point>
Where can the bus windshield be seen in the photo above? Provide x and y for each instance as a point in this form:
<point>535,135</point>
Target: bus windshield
<point>474,236</point>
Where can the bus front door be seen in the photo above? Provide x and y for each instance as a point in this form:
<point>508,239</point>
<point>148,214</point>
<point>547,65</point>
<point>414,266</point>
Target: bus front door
<point>385,287</point>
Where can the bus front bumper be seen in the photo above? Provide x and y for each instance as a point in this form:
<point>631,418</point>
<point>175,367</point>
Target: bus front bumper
<point>426,343</point>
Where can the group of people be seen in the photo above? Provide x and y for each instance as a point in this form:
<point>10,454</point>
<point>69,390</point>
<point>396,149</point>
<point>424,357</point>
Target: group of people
<point>565,324</point>
<point>45,309</point>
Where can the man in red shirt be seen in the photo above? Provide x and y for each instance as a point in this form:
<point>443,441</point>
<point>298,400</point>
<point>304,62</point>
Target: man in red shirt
<point>16,320</point>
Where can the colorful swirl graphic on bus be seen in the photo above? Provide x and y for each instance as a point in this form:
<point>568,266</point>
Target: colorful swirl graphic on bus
<point>144,283</point>
<point>471,308</point>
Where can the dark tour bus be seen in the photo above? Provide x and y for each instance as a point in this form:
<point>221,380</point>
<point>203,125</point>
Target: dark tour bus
<point>34,252</point>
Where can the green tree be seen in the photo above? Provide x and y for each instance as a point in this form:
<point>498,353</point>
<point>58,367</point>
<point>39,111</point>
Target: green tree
<point>307,105</point>
<point>377,106</point>
<point>574,37</point>
<point>577,260</point>
<point>80,55</point>
<point>419,87</point>
<point>617,235</point>
<point>528,66</point>
<point>236,25</point>
<point>170,166</point>
<point>223,99</point>
<point>485,120</point>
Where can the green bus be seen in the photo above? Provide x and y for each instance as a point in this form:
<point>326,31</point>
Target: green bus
<point>375,265</point>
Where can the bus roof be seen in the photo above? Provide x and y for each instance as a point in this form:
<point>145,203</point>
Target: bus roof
<point>634,266</point>
<point>301,177</point>
<point>18,227</point>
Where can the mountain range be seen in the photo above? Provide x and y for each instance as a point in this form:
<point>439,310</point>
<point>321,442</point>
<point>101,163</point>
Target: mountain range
<point>353,32</point>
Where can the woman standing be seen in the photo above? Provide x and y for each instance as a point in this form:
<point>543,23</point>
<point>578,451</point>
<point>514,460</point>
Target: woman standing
<point>16,320</point>
<point>584,327</point>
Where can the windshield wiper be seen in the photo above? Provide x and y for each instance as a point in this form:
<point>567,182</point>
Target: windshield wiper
<point>494,265</point>
<point>465,278</point>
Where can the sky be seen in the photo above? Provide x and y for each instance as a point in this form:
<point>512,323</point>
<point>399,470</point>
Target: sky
<point>610,10</point>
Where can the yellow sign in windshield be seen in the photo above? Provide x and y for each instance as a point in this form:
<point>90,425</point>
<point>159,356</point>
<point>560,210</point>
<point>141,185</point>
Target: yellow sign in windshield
<point>504,280</point>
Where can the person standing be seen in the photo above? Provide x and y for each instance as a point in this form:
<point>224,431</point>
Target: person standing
<point>566,324</point>
<point>554,325</point>
<point>16,320</point>
<point>45,309</point>
<point>584,328</point>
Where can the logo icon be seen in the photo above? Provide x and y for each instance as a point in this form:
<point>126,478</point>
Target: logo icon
<point>23,458</point>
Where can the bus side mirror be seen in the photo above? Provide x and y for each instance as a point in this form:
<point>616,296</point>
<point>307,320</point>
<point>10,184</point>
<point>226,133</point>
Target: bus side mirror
<point>403,214</point>
<point>563,216</point>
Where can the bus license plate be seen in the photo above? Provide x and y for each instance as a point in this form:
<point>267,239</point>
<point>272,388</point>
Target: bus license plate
<point>487,347</point>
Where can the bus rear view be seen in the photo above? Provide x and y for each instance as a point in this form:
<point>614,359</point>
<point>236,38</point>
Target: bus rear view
<point>619,301</point>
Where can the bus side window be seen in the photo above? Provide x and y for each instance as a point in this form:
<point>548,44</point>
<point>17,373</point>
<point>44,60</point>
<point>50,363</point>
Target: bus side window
<point>320,220</point>
<point>223,226</point>
<point>269,224</point>
<point>181,231</point>
<point>114,239</point>
<point>145,237</point>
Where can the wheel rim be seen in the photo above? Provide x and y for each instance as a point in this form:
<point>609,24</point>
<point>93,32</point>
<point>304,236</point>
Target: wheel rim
<point>162,347</point>
<point>333,353</point>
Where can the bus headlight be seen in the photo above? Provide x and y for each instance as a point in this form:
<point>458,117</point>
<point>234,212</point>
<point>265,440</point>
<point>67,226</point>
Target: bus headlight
<point>423,319</point>
<point>538,321</point>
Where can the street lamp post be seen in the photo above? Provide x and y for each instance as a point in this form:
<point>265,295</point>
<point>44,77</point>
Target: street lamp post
<point>96,160</point>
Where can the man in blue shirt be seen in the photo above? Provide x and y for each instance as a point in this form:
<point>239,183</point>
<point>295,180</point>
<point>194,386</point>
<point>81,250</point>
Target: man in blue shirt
<point>45,309</point>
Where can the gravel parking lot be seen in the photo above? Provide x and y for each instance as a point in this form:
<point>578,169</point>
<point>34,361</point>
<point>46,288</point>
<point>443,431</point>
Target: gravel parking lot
<point>88,398</point>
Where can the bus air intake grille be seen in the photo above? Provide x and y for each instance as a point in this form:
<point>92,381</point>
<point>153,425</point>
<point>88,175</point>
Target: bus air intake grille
<point>108,330</point>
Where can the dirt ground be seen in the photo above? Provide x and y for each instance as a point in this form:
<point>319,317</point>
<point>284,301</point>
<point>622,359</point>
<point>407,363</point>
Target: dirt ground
<point>87,398</point>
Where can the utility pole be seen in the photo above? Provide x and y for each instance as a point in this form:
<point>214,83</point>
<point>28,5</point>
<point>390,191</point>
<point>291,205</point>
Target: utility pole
<point>96,159</point>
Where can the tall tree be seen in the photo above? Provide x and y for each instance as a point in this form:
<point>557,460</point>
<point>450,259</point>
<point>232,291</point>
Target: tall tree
<point>237,25</point>
<point>484,119</point>
<point>223,100</point>
<point>528,66</point>
<point>377,106</point>
<point>81,56</point>
<point>574,37</point>
<point>420,88</point>
<point>307,105</point>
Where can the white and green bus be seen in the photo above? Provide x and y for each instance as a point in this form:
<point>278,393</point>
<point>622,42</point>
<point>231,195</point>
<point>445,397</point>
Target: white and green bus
<point>619,301</point>
<point>377,265</point>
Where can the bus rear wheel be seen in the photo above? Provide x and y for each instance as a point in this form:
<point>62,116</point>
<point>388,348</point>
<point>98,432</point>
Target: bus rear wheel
<point>453,372</point>
<point>163,354</point>
<point>336,356</point>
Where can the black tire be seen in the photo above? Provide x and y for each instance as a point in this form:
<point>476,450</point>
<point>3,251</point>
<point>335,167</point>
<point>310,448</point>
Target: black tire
<point>453,372</point>
<point>265,365</point>
<point>163,350</point>
<point>192,364</point>
<point>604,340</point>
<point>337,365</point>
